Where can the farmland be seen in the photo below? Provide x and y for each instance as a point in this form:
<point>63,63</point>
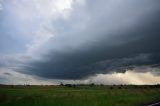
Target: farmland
<point>78,95</point>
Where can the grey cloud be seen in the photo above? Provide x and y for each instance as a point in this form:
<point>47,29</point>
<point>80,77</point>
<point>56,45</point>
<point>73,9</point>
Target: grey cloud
<point>102,37</point>
<point>8,74</point>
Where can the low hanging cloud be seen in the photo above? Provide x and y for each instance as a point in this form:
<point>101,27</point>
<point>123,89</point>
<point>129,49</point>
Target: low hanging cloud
<point>137,76</point>
<point>88,37</point>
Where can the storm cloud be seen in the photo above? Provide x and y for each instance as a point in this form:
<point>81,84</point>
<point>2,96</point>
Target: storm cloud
<point>101,37</point>
<point>92,37</point>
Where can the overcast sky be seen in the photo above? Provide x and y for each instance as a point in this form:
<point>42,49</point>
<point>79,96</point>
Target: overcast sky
<point>100,41</point>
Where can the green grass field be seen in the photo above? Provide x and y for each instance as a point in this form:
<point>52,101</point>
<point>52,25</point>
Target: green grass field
<point>78,96</point>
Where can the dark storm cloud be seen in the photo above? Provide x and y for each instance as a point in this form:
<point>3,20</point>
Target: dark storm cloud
<point>8,74</point>
<point>102,37</point>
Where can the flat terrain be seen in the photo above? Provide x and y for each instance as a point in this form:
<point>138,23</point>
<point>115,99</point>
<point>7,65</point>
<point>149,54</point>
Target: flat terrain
<point>78,95</point>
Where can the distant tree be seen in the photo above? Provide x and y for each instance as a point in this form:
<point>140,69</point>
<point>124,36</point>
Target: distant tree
<point>74,85</point>
<point>101,85</point>
<point>111,87</point>
<point>61,84</point>
<point>119,87</point>
<point>11,86</point>
<point>68,85</point>
<point>92,84</point>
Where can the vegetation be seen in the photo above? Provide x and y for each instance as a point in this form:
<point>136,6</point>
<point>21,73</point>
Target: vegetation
<point>78,95</point>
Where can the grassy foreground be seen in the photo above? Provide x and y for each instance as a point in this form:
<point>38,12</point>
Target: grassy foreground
<point>77,96</point>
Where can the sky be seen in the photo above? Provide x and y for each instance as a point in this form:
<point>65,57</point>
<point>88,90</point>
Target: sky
<point>80,41</point>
